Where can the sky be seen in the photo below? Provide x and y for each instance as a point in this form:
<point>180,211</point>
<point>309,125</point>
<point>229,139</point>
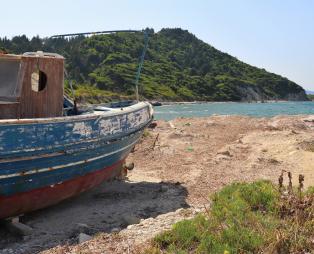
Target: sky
<point>277,35</point>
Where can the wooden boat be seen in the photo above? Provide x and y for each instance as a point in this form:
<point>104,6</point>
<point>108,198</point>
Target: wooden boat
<point>49,153</point>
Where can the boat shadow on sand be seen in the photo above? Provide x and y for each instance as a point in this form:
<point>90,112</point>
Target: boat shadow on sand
<point>109,207</point>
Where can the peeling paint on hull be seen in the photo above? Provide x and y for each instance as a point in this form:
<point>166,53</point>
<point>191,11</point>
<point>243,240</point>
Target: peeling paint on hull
<point>45,161</point>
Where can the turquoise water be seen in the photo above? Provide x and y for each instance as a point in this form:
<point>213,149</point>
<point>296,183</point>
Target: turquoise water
<point>169,112</point>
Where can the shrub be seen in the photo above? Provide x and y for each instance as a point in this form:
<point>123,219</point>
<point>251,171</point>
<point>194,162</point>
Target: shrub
<point>247,218</point>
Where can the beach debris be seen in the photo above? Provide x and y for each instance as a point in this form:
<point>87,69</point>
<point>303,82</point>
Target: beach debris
<point>155,141</point>
<point>290,186</point>
<point>280,181</point>
<point>290,183</point>
<point>84,238</point>
<point>153,125</point>
<point>187,124</point>
<point>301,180</point>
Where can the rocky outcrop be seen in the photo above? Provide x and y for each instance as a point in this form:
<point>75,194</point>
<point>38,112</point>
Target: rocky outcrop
<point>254,93</point>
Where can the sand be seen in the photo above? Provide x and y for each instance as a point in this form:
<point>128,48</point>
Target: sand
<point>177,166</point>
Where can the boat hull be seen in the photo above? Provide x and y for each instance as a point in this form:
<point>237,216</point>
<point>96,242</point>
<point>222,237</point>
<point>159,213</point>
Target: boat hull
<point>43,197</point>
<point>47,161</point>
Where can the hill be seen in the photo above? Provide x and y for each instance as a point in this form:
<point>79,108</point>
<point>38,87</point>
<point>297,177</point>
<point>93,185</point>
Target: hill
<point>309,92</point>
<point>178,66</point>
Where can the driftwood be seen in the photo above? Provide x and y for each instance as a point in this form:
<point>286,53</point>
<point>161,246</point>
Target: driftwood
<point>155,141</point>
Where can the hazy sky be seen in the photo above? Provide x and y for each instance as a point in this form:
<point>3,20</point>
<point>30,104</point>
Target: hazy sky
<point>277,35</point>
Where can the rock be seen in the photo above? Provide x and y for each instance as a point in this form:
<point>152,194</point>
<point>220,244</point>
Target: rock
<point>130,226</point>
<point>221,157</point>
<point>19,228</point>
<point>242,146</point>
<point>273,161</point>
<point>239,141</point>
<point>131,219</point>
<point>164,188</point>
<point>115,230</point>
<point>273,127</point>
<point>225,152</point>
<point>309,119</point>
<point>179,210</point>
<point>171,125</point>
<point>82,228</point>
<point>84,238</point>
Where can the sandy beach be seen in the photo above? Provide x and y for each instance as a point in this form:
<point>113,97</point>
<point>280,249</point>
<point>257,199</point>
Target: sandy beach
<point>177,165</point>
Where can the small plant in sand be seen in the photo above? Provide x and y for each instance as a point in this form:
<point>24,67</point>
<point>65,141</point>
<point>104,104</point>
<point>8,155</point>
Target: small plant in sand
<point>257,217</point>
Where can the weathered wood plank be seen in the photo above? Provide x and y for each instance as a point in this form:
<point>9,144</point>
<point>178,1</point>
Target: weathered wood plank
<point>36,104</point>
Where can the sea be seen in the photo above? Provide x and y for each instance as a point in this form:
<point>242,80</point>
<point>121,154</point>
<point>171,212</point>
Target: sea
<point>269,109</point>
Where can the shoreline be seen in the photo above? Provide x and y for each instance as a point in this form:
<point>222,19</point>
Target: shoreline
<point>166,103</point>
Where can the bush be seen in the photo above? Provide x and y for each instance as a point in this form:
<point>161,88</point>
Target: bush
<point>246,218</point>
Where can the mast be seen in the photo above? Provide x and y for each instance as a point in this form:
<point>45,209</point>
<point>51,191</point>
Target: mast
<point>140,66</point>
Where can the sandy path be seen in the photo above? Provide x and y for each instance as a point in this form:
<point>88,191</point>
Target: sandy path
<point>191,159</point>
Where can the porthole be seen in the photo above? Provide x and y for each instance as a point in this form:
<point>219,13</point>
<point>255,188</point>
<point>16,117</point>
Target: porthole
<point>38,81</point>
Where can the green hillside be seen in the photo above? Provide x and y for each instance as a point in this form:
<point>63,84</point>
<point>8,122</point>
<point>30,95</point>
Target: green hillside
<point>177,67</point>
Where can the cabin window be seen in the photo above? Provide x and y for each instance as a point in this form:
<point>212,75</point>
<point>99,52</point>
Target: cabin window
<point>9,72</point>
<point>39,81</point>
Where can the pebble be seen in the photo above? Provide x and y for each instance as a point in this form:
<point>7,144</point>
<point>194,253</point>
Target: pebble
<point>131,219</point>
<point>84,238</point>
<point>115,230</point>
<point>130,226</point>
<point>225,152</point>
<point>164,188</point>
<point>82,228</point>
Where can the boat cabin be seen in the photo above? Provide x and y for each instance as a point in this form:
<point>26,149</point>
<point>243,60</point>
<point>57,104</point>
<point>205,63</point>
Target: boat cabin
<point>31,85</point>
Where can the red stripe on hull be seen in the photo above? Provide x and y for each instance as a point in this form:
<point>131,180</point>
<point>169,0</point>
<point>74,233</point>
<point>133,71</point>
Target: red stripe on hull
<point>43,197</point>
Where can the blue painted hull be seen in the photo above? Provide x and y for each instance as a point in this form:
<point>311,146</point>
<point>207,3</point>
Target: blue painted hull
<point>63,154</point>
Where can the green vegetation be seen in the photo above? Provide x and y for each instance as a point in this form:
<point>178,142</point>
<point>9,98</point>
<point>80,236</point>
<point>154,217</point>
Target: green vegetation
<point>246,218</point>
<point>311,96</point>
<point>178,66</point>
<point>86,93</point>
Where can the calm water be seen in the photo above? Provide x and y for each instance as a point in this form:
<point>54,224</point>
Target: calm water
<point>169,112</point>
